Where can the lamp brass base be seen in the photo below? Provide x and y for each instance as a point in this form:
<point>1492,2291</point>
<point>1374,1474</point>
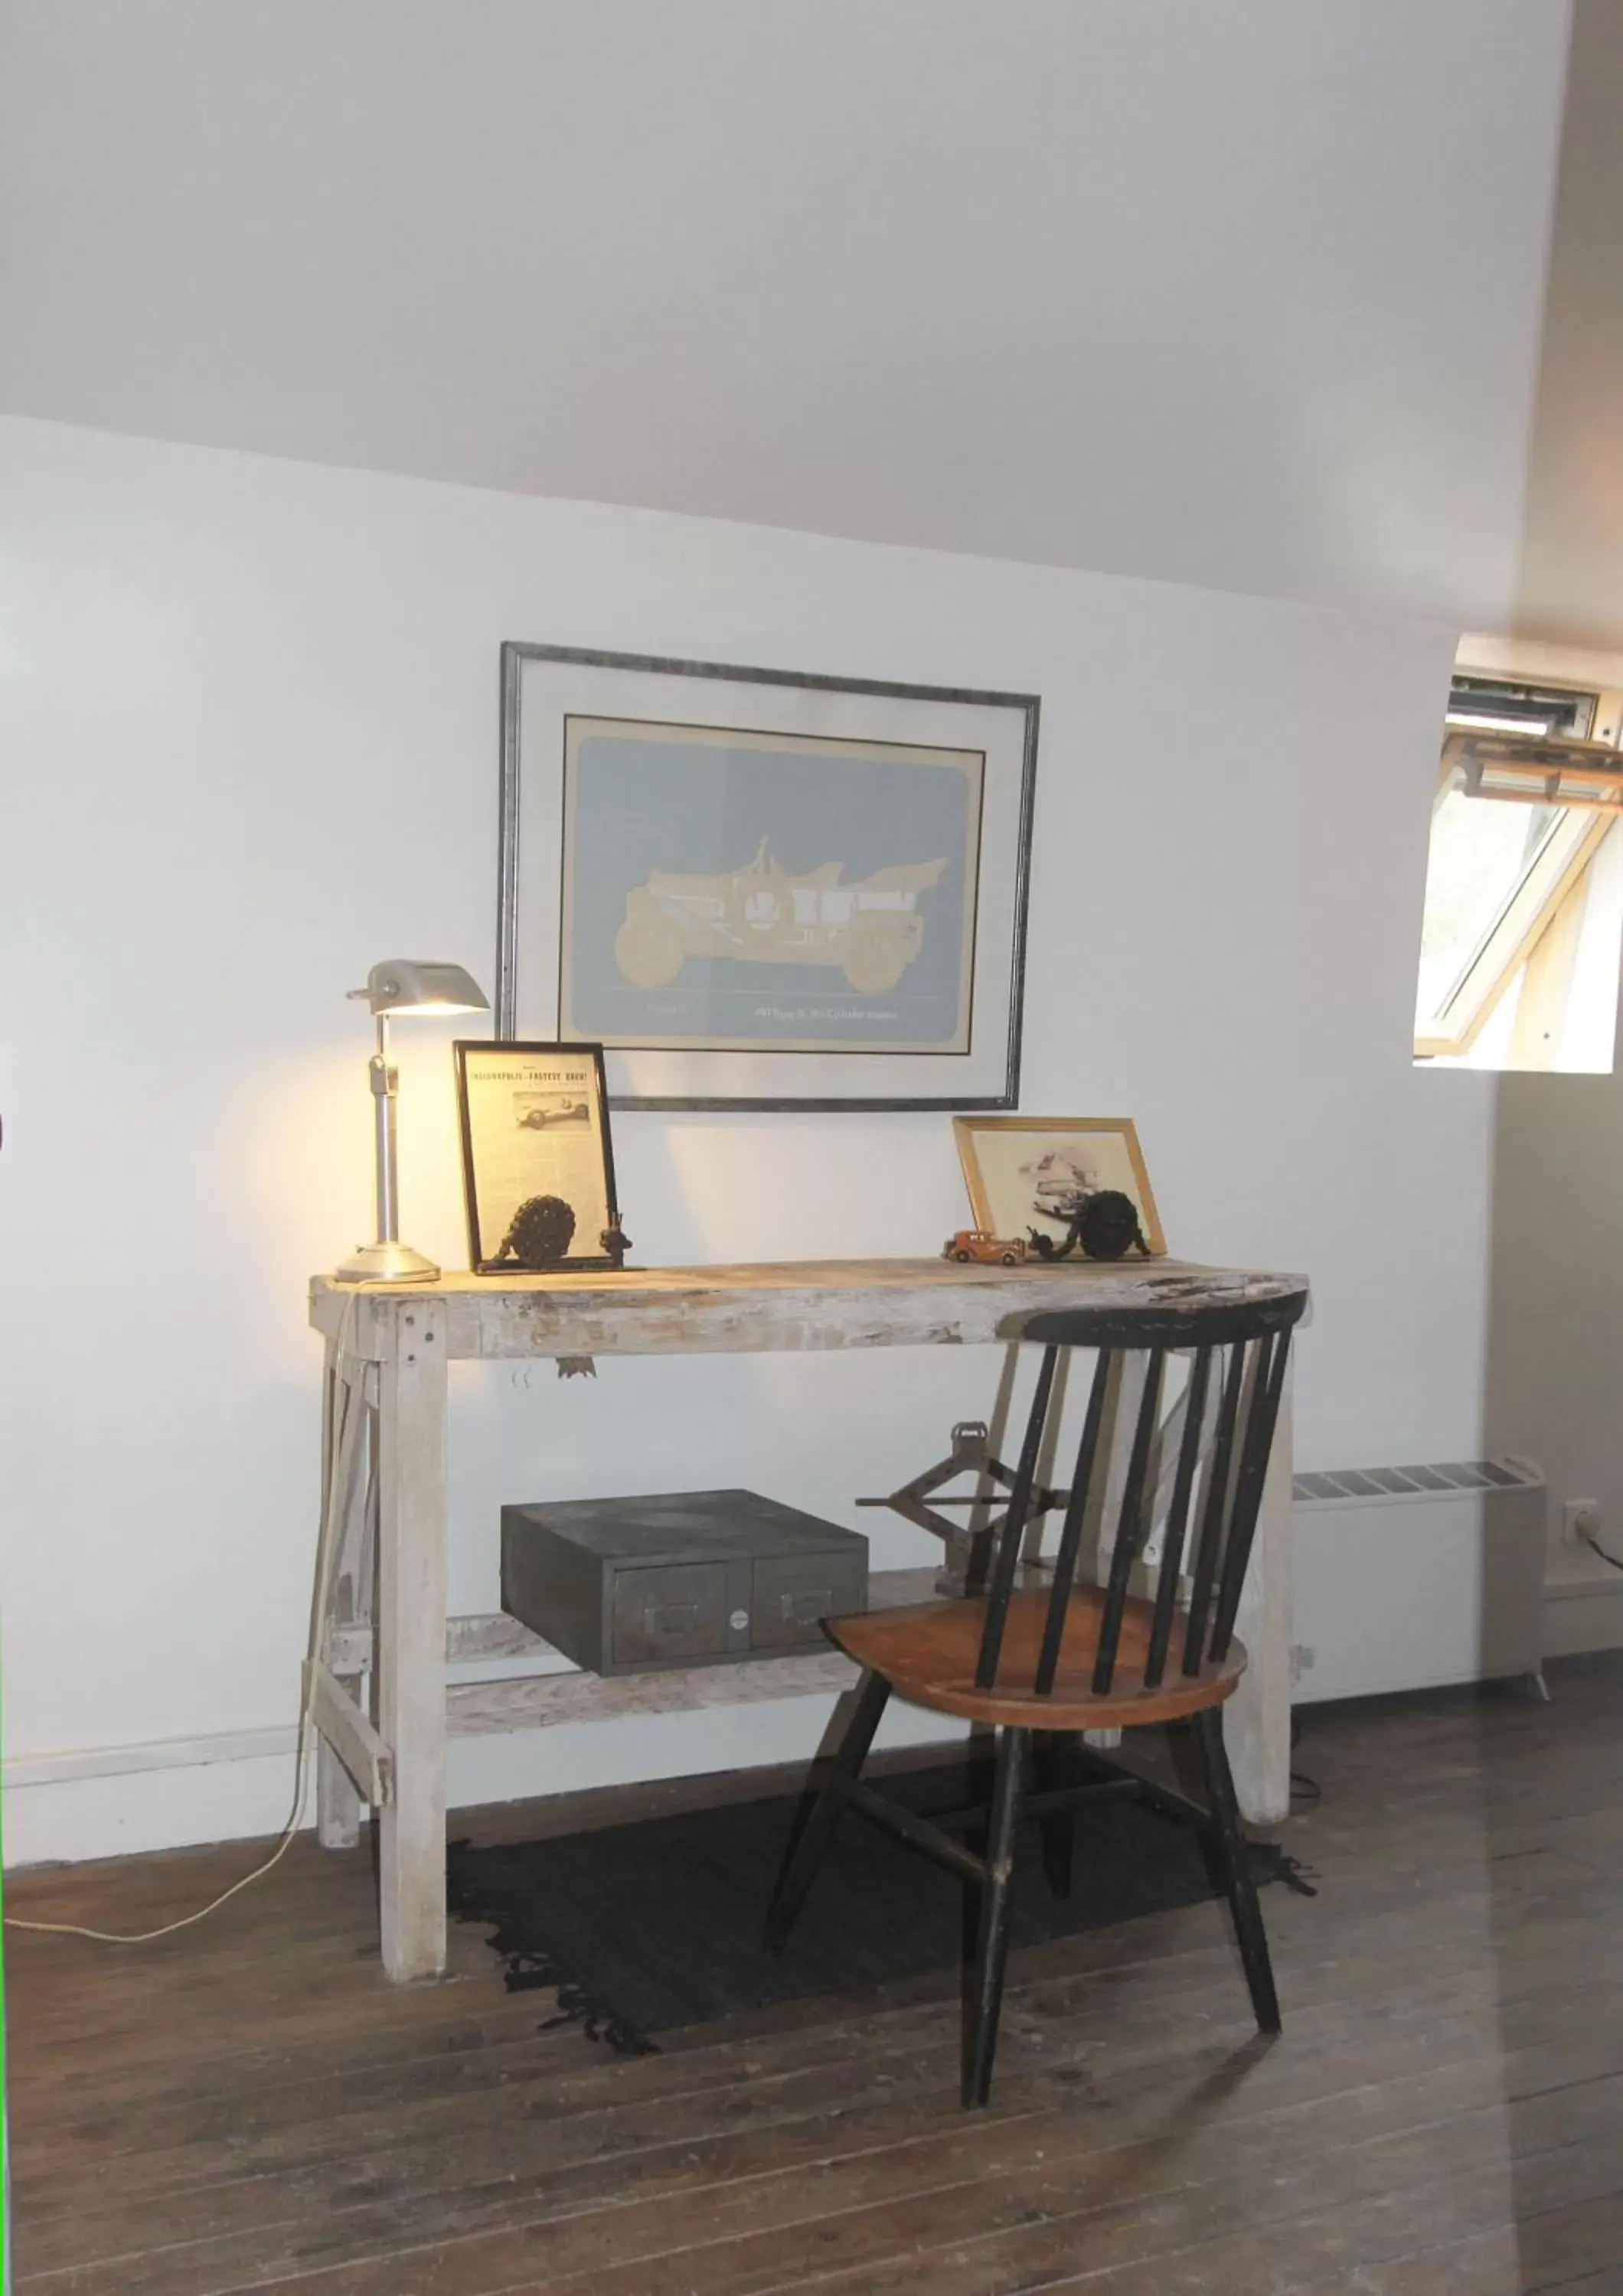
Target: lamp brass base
<point>385,1263</point>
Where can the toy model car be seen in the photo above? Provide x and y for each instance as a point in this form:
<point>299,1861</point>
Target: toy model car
<point>872,930</point>
<point>974,1243</point>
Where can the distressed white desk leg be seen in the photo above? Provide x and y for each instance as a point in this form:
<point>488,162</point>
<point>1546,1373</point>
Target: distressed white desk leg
<point>411,1635</point>
<point>337,1803</point>
<point>1256,1721</point>
<point>343,1440</point>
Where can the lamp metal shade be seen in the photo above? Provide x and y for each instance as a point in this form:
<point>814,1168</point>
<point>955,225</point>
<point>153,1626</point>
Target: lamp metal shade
<point>414,984</point>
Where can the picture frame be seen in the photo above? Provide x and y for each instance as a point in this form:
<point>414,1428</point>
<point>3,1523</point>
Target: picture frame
<point>534,1125</point>
<point>763,888</point>
<point>1029,1172</point>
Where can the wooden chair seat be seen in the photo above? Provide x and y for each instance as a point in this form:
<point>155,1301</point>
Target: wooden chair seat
<point>928,1651</point>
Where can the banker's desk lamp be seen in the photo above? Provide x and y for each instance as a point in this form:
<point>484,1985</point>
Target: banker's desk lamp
<point>400,987</point>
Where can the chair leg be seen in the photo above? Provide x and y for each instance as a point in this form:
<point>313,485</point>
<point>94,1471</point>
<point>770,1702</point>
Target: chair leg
<point>1050,1770</point>
<point>817,1831</point>
<point>1233,1858</point>
<point>991,1947</point>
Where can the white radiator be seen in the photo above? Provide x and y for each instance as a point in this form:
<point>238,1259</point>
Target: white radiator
<point>1409,1577</point>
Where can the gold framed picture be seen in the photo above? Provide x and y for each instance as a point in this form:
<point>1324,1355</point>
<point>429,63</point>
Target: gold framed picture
<point>1029,1177</point>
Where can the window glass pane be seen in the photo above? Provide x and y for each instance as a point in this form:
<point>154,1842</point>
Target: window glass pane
<point>1481,849</point>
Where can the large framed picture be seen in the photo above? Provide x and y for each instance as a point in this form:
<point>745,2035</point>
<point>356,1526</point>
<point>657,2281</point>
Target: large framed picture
<point>537,1168</point>
<point>1029,1177</point>
<point>761,890</point>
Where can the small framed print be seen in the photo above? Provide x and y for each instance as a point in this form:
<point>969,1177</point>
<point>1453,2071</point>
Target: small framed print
<point>1029,1176</point>
<point>765,888</point>
<point>537,1168</point>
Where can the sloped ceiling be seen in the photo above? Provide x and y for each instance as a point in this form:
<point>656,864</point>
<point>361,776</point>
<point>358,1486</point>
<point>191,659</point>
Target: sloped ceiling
<point>1238,292</point>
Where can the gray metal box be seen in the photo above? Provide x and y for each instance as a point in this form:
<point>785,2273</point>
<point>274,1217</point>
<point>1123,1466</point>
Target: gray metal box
<point>677,1578</point>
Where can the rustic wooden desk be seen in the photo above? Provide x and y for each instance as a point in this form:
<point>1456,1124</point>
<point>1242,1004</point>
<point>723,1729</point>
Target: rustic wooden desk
<point>385,1520</point>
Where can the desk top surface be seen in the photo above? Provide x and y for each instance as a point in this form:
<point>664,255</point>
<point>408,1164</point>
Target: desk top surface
<point>788,1304</point>
<point>1096,1281</point>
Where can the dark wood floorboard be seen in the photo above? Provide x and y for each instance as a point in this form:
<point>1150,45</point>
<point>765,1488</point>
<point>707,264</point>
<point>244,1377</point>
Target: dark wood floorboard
<point>250,2106</point>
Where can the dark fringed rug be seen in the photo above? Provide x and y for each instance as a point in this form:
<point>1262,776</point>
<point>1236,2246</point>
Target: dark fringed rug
<point>650,1927</point>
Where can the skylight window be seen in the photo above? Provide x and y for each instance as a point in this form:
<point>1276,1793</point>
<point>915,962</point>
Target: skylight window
<point>1523,925</point>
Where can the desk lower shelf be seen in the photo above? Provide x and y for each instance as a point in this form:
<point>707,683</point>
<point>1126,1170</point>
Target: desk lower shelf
<point>477,1710</point>
<point>536,1701</point>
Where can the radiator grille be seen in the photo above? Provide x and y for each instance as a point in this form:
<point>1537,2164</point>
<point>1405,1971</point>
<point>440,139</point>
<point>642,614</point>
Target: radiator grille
<point>1407,1483</point>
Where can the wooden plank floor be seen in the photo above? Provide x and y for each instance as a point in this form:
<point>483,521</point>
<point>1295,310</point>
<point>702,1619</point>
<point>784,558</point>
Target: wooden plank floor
<point>250,2106</point>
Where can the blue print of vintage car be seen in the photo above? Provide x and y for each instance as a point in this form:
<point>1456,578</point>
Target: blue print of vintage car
<point>761,914</point>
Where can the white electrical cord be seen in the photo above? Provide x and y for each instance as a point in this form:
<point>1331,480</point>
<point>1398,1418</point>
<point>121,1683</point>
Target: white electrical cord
<point>326,1549</point>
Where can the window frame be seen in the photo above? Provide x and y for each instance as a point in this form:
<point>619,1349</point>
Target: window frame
<point>1529,910</point>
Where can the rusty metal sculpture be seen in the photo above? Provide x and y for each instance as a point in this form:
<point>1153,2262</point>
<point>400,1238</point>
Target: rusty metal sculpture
<point>967,1545</point>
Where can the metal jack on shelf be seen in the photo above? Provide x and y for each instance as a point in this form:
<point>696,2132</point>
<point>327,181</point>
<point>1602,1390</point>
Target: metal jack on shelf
<point>400,987</point>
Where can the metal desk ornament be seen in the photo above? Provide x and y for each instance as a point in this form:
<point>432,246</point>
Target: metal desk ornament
<point>969,1549</point>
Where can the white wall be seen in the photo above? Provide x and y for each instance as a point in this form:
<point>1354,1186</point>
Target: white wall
<point>1557,1324</point>
<point>1570,578</point>
<point>250,734</point>
<point>1552,1388</point>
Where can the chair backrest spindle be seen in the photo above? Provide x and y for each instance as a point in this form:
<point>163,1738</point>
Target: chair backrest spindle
<point>1273,1354</point>
<point>1177,1515</point>
<point>1220,1475</point>
<point>1076,1518</point>
<point>1238,1359</point>
<point>1129,1525</point>
<point>1006,1557</point>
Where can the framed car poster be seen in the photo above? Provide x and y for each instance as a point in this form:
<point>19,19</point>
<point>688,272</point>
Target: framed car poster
<point>760,888</point>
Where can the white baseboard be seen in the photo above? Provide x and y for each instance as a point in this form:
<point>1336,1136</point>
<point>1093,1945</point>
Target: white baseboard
<point>173,1793</point>
<point>152,1754</point>
<point>85,1813</point>
<point>1583,1614</point>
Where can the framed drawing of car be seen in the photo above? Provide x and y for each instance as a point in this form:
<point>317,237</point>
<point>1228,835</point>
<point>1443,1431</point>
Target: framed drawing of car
<point>760,889</point>
<point>1032,1175</point>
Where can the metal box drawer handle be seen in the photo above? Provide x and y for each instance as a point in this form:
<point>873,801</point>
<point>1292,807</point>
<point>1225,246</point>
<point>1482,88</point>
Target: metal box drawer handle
<point>670,1618</point>
<point>806,1609</point>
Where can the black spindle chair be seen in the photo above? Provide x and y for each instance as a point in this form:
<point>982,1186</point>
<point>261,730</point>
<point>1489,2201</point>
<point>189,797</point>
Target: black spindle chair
<point>1042,1664</point>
